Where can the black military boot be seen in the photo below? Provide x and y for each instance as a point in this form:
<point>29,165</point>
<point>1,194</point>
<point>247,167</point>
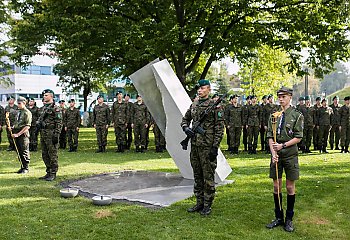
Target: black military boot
<point>70,149</point>
<point>289,227</point>
<point>122,148</point>
<point>206,210</point>
<point>51,177</point>
<point>143,149</point>
<point>103,148</point>
<point>278,221</point>
<point>118,149</point>
<point>245,147</point>
<point>324,150</point>
<point>196,208</point>
<point>336,147</point>
<point>346,149</point>
<point>44,177</point>
<point>331,146</point>
<point>342,149</point>
<point>23,170</point>
<point>75,148</point>
<point>249,150</point>
<point>99,149</point>
<point>137,149</point>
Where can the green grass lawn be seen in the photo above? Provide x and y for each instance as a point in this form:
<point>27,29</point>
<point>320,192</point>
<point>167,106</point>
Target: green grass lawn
<point>33,209</point>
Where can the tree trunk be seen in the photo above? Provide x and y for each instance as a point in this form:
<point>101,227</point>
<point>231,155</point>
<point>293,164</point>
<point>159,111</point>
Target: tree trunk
<point>86,92</point>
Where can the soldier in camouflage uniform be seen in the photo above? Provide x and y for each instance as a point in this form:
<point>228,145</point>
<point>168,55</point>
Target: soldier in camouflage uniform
<point>234,123</point>
<point>2,121</point>
<point>140,121</point>
<point>101,120</point>
<point>316,130</point>
<point>289,131</point>
<point>253,123</point>
<point>129,128</point>
<point>21,134</point>
<point>245,130</point>
<point>309,124</point>
<point>334,135</point>
<point>323,123</point>
<point>50,125</point>
<point>159,139</point>
<point>204,148</point>
<point>344,113</point>
<point>71,122</point>
<point>11,108</point>
<point>262,127</point>
<point>33,139</point>
<point>63,134</point>
<point>120,118</point>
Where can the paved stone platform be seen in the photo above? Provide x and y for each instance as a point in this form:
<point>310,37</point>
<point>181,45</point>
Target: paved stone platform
<point>154,188</point>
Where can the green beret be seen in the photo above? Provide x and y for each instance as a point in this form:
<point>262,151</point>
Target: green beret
<point>72,100</point>
<point>61,101</point>
<point>47,91</point>
<point>264,97</point>
<point>11,97</point>
<point>99,96</point>
<point>119,92</point>
<point>269,96</point>
<point>203,82</point>
<point>335,97</point>
<point>301,98</point>
<point>324,100</point>
<point>21,99</point>
<point>307,98</point>
<point>284,90</point>
<point>347,98</point>
<point>318,99</point>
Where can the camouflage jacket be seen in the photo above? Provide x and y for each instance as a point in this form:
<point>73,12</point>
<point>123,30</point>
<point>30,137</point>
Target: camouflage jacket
<point>120,113</point>
<point>71,118</point>
<point>101,115</point>
<point>35,114</point>
<point>309,117</point>
<point>344,113</point>
<point>13,112</point>
<point>233,115</point>
<point>335,117</point>
<point>140,114</point>
<point>213,125</point>
<point>324,116</point>
<point>130,107</point>
<point>2,116</point>
<point>24,118</point>
<point>291,128</point>
<point>253,115</point>
<point>51,118</point>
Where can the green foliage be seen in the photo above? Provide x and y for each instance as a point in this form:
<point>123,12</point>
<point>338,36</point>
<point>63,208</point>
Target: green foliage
<point>336,80</point>
<point>191,34</point>
<point>33,209</point>
<point>266,72</point>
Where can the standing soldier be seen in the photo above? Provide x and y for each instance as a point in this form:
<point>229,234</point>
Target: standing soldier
<point>302,109</point>
<point>63,135</point>
<point>33,145</point>
<point>335,124</point>
<point>204,147</point>
<point>128,128</point>
<point>309,124</point>
<point>120,118</point>
<point>315,132</point>
<point>285,154</point>
<point>245,130</point>
<point>234,123</point>
<point>11,108</point>
<point>50,125</point>
<point>71,123</point>
<point>262,127</point>
<point>159,139</point>
<point>323,123</point>
<point>140,121</point>
<point>253,123</point>
<point>21,134</point>
<point>100,121</point>
<point>267,110</point>
<point>344,113</point>
<point>2,120</point>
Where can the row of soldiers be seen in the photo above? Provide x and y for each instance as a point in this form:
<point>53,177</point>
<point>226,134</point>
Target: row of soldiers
<point>322,123</point>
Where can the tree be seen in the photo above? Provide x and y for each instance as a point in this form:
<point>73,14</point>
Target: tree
<point>336,80</point>
<point>129,34</point>
<point>5,67</point>
<point>267,72</point>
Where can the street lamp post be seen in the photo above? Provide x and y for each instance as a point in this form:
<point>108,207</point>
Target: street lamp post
<point>306,82</point>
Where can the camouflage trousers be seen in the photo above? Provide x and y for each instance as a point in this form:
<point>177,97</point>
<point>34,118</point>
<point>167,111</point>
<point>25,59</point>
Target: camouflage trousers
<point>10,139</point>
<point>323,133</point>
<point>315,137</point>
<point>334,136</point>
<point>49,151</point>
<point>129,135</point>
<point>203,171</point>
<point>159,139</point>
<point>307,136</point>
<point>253,134</point>
<point>101,134</point>
<point>63,138</point>
<point>33,138</point>
<point>72,135</point>
<point>345,136</point>
<point>22,143</point>
<point>120,134</point>
<point>235,136</point>
<point>245,137</point>
<point>140,135</point>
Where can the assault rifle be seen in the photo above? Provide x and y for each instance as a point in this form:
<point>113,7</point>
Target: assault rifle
<point>196,126</point>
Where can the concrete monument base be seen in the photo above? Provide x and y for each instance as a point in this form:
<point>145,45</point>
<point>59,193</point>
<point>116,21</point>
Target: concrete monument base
<point>153,188</point>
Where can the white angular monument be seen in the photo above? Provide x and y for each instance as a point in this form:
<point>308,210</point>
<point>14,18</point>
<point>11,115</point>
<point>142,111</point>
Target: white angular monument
<point>167,101</point>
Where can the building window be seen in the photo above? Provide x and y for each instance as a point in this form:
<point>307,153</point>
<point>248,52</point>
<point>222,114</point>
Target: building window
<point>37,70</point>
<point>45,70</point>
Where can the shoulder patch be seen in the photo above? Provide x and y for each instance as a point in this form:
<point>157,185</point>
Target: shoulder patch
<point>219,114</point>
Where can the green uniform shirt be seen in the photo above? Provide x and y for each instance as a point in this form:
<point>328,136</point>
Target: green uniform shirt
<point>51,118</point>
<point>324,116</point>
<point>344,113</point>
<point>253,115</point>
<point>24,118</point>
<point>234,115</point>
<point>72,118</point>
<point>13,112</point>
<point>101,115</point>
<point>35,114</point>
<point>120,113</point>
<point>335,117</point>
<point>140,114</point>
